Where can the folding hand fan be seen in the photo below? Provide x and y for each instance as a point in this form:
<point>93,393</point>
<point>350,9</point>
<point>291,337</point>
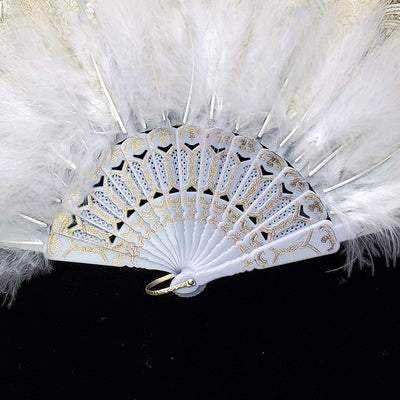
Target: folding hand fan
<point>198,138</point>
<point>198,204</point>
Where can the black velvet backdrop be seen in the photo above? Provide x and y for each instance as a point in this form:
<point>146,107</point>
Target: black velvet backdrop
<point>292,332</point>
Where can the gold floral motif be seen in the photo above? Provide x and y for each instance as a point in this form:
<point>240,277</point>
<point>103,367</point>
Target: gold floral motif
<point>223,138</point>
<point>136,143</point>
<point>248,263</point>
<point>244,248</point>
<point>260,260</point>
<point>235,236</point>
<point>232,217</point>
<point>191,214</point>
<point>225,227</point>
<point>246,144</point>
<point>204,202</point>
<point>156,225</point>
<point>74,246</point>
<point>244,227</point>
<point>274,159</point>
<point>192,204</point>
<point>161,210</point>
<point>61,222</point>
<point>73,196</point>
<point>129,232</point>
<point>315,203</point>
<point>147,231</point>
<point>212,220</point>
<point>174,201</point>
<point>192,130</point>
<point>297,180</point>
<point>329,237</point>
<point>85,249</point>
<point>119,257</point>
<point>219,208</point>
<point>165,219</point>
<point>160,205</point>
<point>125,247</point>
<point>178,214</point>
<point>204,216</point>
<point>115,155</point>
<point>152,216</point>
<point>205,206</point>
<point>254,241</point>
<point>300,245</point>
<point>53,244</point>
<point>163,135</point>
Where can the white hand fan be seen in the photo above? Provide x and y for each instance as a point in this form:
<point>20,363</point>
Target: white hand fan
<point>198,204</point>
<point>200,138</point>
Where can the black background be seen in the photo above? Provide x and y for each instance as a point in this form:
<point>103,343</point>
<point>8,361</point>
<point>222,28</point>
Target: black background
<point>291,332</point>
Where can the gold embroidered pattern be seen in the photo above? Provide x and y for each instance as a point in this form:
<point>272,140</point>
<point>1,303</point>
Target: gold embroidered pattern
<point>260,260</point>
<point>301,245</point>
<point>315,204</point>
<point>297,180</point>
<point>330,237</point>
